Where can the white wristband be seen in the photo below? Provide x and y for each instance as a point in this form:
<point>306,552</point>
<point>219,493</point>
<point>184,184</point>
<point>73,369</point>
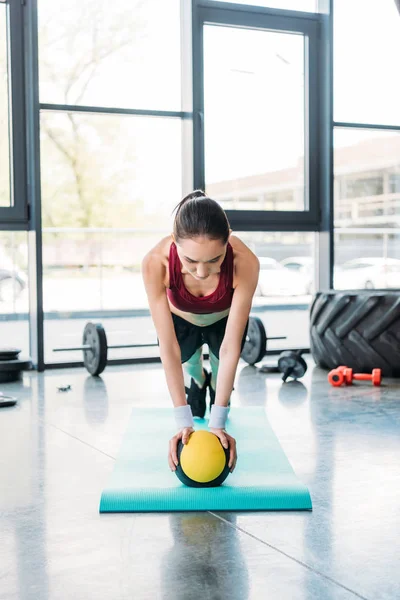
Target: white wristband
<point>183,416</point>
<point>219,415</point>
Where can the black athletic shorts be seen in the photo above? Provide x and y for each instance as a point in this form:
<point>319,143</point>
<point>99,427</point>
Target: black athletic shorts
<point>191,337</point>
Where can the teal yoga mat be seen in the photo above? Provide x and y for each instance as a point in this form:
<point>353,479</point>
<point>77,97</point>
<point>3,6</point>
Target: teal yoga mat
<point>142,481</point>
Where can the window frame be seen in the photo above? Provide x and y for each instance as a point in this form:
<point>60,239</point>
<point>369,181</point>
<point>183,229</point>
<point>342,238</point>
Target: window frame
<point>16,216</point>
<point>308,24</point>
<point>25,40</point>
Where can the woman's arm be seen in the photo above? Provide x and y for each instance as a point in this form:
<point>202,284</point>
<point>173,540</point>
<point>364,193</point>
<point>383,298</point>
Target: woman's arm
<point>246,274</point>
<point>153,272</point>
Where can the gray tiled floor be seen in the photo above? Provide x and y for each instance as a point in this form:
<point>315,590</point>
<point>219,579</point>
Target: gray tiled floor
<point>57,451</point>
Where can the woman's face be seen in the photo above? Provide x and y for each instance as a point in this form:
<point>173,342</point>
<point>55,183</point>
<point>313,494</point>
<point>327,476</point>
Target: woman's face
<point>201,256</point>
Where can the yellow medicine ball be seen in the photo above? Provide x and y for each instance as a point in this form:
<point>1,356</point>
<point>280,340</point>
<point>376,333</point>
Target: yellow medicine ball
<point>203,462</point>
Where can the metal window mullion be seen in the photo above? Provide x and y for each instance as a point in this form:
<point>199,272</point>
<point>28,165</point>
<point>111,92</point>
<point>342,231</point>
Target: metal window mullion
<point>18,212</point>
<point>254,220</point>
<point>234,17</point>
<point>106,110</point>
<point>312,150</point>
<point>349,125</point>
<point>33,173</point>
<point>254,9</point>
<point>187,160</point>
<point>198,98</point>
<point>324,246</point>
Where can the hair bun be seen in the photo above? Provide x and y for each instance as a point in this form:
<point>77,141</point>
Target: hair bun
<point>193,195</point>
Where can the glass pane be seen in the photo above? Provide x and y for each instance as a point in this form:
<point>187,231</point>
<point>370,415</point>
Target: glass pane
<point>14,290</point>
<point>96,276</point>
<point>90,273</point>
<point>109,185</point>
<point>366,51</point>
<point>285,285</point>
<point>254,118</point>
<point>367,209</point>
<point>303,5</point>
<point>101,53</point>
<point>5,194</point>
<point>109,171</point>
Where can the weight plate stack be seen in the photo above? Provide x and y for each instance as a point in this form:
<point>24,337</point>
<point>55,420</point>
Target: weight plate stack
<point>9,353</point>
<point>256,342</point>
<point>357,328</point>
<point>95,359</point>
<point>11,366</point>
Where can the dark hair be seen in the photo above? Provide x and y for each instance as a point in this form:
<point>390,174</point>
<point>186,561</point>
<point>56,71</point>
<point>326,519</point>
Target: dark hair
<point>197,214</point>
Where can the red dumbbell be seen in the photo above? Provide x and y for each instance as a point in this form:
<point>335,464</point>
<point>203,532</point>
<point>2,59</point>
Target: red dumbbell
<point>337,377</point>
<point>375,376</point>
<point>345,375</point>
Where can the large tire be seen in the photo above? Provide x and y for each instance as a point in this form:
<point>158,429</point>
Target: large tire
<point>359,329</point>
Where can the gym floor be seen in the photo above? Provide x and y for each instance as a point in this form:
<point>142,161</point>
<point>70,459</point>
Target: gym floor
<point>57,451</point>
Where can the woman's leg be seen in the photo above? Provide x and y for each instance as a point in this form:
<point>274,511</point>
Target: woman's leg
<point>196,383</point>
<point>191,344</point>
<point>214,335</point>
<point>193,369</point>
<point>214,362</point>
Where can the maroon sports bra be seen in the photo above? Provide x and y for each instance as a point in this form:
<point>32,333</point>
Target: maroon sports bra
<point>182,299</point>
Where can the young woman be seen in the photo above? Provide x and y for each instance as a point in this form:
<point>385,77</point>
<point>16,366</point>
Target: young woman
<point>200,283</point>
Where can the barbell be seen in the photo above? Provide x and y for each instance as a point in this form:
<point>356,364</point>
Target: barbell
<point>95,346</point>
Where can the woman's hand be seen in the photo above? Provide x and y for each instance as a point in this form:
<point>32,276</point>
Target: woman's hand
<point>227,441</point>
<point>183,435</point>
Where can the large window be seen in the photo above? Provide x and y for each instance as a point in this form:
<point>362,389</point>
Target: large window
<point>257,90</point>
<point>282,298</point>
<point>254,114</point>
<point>366,156</point>
<point>129,121</point>
<point>366,51</point>
<point>118,54</point>
<point>5,191</point>
<point>109,181</point>
<point>367,209</point>
<point>286,282</point>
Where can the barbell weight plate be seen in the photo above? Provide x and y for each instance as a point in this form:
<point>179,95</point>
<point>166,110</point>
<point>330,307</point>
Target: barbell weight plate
<point>7,401</point>
<point>95,360</point>
<point>291,360</point>
<point>256,341</point>
<point>8,366</point>
<point>9,353</point>
<point>10,376</point>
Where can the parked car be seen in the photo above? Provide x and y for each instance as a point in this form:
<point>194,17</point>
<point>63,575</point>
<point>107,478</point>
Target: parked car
<point>368,273</point>
<point>276,280</point>
<point>12,281</point>
<point>303,265</point>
